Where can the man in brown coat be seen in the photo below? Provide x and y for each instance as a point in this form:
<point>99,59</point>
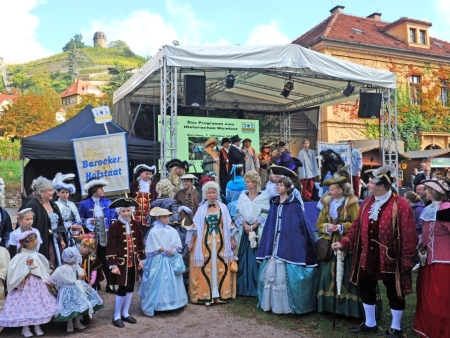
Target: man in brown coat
<point>383,242</point>
<point>125,253</point>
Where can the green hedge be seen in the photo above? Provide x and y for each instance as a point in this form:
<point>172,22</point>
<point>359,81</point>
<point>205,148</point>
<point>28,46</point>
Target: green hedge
<point>9,151</point>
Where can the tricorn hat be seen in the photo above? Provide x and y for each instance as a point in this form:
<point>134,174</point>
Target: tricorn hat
<point>92,182</point>
<point>225,140</point>
<point>143,167</point>
<point>235,139</point>
<point>178,163</point>
<point>384,174</point>
<point>280,170</point>
<point>62,181</point>
<point>340,176</point>
<point>246,140</point>
<point>157,211</point>
<point>439,185</point>
<point>281,144</point>
<point>124,202</point>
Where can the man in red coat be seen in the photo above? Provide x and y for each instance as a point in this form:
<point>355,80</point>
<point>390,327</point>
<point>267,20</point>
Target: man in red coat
<point>125,253</point>
<point>383,242</point>
<point>143,190</point>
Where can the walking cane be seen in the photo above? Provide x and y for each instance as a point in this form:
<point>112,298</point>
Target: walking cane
<point>334,290</point>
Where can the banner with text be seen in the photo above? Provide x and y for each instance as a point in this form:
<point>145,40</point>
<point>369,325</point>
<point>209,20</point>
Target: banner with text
<point>105,157</point>
<point>440,162</point>
<point>193,132</point>
<point>342,149</point>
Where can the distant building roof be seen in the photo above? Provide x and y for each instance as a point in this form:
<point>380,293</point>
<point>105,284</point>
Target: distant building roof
<point>81,87</point>
<point>427,153</point>
<point>6,97</point>
<point>351,29</point>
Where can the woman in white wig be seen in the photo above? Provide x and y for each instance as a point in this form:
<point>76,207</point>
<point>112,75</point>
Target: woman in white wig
<point>211,245</point>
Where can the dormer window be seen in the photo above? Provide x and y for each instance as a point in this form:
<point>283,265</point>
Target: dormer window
<point>412,35</point>
<point>423,37</point>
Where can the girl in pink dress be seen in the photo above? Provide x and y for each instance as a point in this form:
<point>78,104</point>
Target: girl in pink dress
<point>29,301</point>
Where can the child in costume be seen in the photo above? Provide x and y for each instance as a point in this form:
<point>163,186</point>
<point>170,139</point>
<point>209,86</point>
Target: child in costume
<point>91,264</point>
<point>4,261</point>
<point>75,297</point>
<point>24,221</point>
<point>29,302</point>
<point>162,286</point>
<point>124,255</point>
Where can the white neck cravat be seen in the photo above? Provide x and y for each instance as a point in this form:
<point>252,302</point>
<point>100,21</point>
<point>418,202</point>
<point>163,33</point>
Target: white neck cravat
<point>379,201</point>
<point>334,206</point>
<point>144,186</point>
<point>98,211</point>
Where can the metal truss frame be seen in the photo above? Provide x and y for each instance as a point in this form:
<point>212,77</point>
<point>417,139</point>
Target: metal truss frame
<point>285,128</point>
<point>389,129</point>
<point>168,115</point>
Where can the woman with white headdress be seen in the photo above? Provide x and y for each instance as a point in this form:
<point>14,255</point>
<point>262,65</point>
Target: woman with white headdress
<point>75,297</point>
<point>211,243</point>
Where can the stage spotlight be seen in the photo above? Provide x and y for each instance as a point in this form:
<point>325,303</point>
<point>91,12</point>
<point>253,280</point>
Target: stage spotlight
<point>229,81</point>
<point>349,90</point>
<point>288,87</point>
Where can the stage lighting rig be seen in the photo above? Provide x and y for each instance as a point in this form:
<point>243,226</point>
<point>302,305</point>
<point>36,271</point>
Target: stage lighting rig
<point>229,80</point>
<point>288,87</point>
<point>349,90</point>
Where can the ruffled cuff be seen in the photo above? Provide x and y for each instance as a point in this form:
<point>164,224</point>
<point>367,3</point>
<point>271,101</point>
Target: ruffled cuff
<point>341,229</point>
<point>328,231</point>
<point>239,220</point>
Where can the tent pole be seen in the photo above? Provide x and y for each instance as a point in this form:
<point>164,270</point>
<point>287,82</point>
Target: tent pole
<point>22,182</point>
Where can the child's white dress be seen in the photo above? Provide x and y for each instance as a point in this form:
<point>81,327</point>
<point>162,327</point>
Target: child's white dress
<point>75,297</point>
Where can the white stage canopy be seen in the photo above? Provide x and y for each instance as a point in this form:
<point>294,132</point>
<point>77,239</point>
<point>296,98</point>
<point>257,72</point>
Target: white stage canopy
<point>260,72</point>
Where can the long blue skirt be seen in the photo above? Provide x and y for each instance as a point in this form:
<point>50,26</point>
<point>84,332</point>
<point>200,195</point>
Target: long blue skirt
<point>247,275</point>
<point>161,289</point>
<point>301,288</point>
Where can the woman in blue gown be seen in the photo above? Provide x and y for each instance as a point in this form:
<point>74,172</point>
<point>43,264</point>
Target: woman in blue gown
<point>253,206</point>
<point>161,288</point>
<point>288,271</point>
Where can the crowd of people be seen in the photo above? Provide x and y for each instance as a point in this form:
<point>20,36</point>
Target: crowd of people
<point>242,232</point>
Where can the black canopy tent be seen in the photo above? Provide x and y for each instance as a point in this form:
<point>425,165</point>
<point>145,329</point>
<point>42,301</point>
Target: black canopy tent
<point>52,151</point>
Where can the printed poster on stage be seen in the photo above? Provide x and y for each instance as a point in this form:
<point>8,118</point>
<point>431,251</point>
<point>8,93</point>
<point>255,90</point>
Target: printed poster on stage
<point>193,132</point>
<point>342,149</point>
<point>105,157</point>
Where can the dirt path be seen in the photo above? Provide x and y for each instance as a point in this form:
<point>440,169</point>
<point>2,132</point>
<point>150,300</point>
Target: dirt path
<point>197,321</point>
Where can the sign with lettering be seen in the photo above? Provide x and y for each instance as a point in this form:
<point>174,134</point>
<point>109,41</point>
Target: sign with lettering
<point>440,162</point>
<point>342,149</point>
<point>105,157</point>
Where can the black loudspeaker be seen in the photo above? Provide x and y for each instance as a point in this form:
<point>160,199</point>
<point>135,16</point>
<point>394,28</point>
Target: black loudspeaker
<point>194,90</point>
<point>369,105</point>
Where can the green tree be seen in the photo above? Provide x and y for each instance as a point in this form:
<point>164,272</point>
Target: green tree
<point>77,40</point>
<point>31,113</point>
<point>40,79</point>
<point>19,78</point>
<point>119,75</point>
<point>118,44</point>
<point>61,81</point>
<point>72,60</point>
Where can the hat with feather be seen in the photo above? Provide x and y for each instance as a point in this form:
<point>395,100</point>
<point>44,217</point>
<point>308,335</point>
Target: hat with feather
<point>284,164</point>
<point>178,163</point>
<point>93,184</point>
<point>331,160</point>
<point>63,181</point>
<point>384,174</point>
<point>340,176</point>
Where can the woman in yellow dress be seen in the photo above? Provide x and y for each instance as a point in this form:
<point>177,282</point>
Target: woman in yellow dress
<point>211,243</point>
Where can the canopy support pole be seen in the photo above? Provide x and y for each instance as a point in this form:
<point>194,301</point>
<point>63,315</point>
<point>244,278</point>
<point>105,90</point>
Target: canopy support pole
<point>389,130</point>
<point>285,128</point>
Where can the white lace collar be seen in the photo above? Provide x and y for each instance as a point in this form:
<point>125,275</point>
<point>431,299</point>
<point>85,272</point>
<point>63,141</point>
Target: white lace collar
<point>334,206</point>
<point>379,201</point>
<point>144,186</point>
<point>430,211</point>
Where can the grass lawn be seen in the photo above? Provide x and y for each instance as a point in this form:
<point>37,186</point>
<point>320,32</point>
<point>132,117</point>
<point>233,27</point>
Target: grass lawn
<point>11,173</point>
<point>321,325</point>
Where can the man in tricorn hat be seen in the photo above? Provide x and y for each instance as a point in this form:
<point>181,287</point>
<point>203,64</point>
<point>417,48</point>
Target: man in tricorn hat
<point>236,155</point>
<point>143,190</point>
<point>383,241</point>
<point>224,162</point>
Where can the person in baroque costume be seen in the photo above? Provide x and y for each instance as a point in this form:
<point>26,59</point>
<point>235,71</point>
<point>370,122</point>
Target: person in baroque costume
<point>162,287</point>
<point>236,155</point>
<point>69,212</point>
<point>165,200</point>
<point>211,158</point>
<point>252,162</point>
<point>252,206</point>
<point>97,217</point>
<point>264,163</point>
<point>143,190</point>
<point>125,253</point>
<point>383,241</point>
<point>433,295</point>
<point>309,171</point>
<point>234,189</point>
<point>177,168</point>
<point>288,270</point>
<point>330,162</point>
<point>224,162</point>
<point>340,208</point>
<point>211,243</point>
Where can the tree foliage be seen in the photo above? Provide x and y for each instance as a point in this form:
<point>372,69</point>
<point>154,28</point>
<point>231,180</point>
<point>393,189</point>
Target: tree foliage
<point>72,60</point>
<point>89,99</point>
<point>31,113</point>
<point>77,40</point>
<point>118,44</point>
<point>119,75</point>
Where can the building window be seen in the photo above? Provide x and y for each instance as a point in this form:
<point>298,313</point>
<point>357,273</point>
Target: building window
<point>412,35</point>
<point>444,93</point>
<point>414,83</point>
<point>423,37</point>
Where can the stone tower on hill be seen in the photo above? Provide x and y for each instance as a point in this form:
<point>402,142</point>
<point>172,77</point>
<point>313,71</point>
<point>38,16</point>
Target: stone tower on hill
<point>100,39</point>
